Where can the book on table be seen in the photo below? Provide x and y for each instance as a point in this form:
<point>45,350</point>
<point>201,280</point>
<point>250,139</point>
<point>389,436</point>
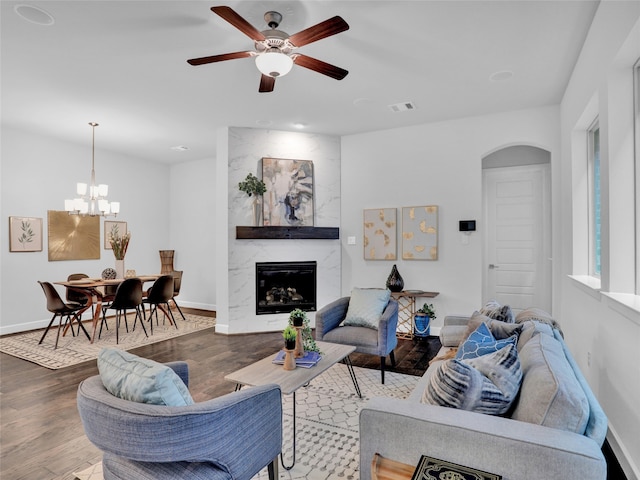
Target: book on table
<point>308,361</point>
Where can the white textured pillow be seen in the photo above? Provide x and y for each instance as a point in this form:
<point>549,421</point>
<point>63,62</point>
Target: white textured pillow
<point>366,306</point>
<point>141,380</point>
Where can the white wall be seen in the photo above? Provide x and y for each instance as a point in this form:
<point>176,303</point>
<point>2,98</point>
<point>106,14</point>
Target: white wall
<point>193,226</point>
<point>37,174</point>
<point>603,334</point>
<point>239,153</point>
<point>433,164</point>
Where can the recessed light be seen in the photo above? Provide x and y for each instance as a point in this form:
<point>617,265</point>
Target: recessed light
<point>34,14</point>
<point>179,148</point>
<point>299,125</point>
<point>501,76</point>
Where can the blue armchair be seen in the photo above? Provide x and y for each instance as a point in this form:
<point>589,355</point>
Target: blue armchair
<point>229,437</point>
<point>379,342</point>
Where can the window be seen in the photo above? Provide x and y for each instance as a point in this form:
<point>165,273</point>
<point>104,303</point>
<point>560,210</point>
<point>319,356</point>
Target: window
<point>594,200</point>
<point>636,121</point>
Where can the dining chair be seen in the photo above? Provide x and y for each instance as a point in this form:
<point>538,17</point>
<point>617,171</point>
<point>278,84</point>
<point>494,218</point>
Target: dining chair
<point>68,311</point>
<point>128,297</point>
<point>73,296</point>
<point>159,296</point>
<point>177,283</point>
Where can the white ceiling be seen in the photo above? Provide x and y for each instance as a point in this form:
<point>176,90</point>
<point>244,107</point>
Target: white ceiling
<point>123,64</point>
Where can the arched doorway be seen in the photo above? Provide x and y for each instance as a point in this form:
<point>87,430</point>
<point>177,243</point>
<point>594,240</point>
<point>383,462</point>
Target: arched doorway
<point>517,216</point>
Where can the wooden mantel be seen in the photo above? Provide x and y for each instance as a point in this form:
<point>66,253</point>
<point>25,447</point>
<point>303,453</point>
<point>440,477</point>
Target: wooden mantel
<point>287,233</point>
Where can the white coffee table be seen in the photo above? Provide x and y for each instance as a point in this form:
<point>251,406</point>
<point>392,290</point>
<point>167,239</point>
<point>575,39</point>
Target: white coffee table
<point>265,371</point>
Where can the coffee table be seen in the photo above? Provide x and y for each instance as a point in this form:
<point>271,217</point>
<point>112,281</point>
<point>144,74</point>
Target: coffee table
<point>265,371</point>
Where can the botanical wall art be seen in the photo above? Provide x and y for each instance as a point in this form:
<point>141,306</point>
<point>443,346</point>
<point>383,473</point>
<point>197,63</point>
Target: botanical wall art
<point>288,200</point>
<point>379,237</point>
<point>25,234</point>
<point>420,233</point>
<point>116,229</point>
<point>73,237</point>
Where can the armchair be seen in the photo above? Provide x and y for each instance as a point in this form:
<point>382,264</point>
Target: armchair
<point>229,437</point>
<point>379,342</point>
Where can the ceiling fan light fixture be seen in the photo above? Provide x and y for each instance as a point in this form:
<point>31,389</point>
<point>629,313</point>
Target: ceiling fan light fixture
<point>274,64</point>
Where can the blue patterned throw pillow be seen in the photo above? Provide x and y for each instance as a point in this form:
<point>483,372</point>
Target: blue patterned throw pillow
<point>488,384</point>
<point>482,342</point>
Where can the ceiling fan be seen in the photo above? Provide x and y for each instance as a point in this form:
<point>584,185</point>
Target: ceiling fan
<point>275,49</point>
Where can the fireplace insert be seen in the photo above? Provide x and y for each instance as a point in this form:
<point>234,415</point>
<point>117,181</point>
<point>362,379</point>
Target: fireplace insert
<point>284,286</point>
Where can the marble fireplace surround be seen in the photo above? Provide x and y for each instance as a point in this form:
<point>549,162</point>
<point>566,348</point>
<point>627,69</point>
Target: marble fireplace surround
<point>239,152</point>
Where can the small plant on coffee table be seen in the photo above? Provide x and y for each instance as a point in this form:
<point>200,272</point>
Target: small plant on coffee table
<point>307,337</point>
<point>297,317</point>
<point>289,334</point>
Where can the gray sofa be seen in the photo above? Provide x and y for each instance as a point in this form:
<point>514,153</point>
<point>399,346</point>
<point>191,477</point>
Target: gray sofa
<point>552,433</point>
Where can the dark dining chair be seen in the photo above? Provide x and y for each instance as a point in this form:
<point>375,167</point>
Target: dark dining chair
<point>177,283</point>
<point>68,311</point>
<point>128,297</point>
<point>159,296</point>
<point>73,296</point>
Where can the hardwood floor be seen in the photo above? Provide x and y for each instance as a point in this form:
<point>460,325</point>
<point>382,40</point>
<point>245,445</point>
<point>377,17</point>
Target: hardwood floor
<point>41,436</point>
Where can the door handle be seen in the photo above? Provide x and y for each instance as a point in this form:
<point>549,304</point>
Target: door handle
<point>492,266</point>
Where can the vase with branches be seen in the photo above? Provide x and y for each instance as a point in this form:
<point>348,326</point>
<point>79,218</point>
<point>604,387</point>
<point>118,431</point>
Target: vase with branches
<point>255,187</point>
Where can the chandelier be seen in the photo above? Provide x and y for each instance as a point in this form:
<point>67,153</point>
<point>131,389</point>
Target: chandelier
<point>92,200</point>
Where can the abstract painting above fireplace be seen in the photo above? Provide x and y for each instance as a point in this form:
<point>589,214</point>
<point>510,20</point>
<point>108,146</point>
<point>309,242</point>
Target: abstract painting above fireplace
<point>284,286</point>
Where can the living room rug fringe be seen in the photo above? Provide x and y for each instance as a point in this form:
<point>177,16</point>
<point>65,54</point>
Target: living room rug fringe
<point>328,412</point>
<point>73,350</point>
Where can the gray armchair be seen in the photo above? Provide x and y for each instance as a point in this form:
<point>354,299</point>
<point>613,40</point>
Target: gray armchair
<point>229,437</point>
<point>379,342</point>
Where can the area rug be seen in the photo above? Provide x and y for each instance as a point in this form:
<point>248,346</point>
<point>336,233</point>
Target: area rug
<point>73,350</point>
<point>327,414</point>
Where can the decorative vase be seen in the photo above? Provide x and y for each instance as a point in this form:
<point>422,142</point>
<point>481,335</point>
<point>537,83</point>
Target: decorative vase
<point>395,283</point>
<point>289,360</point>
<point>257,211</point>
<point>166,261</point>
<point>120,268</point>
<point>299,343</point>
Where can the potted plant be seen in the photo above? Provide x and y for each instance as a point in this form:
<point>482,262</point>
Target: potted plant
<point>255,187</point>
<point>308,341</point>
<point>297,317</point>
<point>289,334</point>
<point>422,320</point>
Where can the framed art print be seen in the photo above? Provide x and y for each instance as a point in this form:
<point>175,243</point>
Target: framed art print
<point>380,231</point>
<point>288,200</point>
<point>420,233</point>
<point>25,234</point>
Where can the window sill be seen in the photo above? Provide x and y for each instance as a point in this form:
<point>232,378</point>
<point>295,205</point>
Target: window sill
<point>626,304</point>
<point>588,284</point>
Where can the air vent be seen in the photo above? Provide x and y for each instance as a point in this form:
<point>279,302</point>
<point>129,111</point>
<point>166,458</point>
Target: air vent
<point>402,107</point>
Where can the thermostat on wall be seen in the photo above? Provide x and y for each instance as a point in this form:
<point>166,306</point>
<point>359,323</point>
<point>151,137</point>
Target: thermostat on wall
<point>467,225</point>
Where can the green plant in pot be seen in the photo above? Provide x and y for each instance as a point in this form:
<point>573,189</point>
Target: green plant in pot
<point>289,334</point>
<point>307,337</point>
<point>255,187</point>
<point>422,320</point>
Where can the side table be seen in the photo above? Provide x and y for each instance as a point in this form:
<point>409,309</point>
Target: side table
<point>407,310</point>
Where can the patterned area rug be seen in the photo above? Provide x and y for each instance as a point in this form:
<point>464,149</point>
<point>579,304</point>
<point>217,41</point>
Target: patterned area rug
<point>327,412</point>
<point>73,350</point>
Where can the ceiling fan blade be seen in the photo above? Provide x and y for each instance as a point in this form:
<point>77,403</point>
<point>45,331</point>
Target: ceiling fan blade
<point>266,84</point>
<point>320,66</point>
<point>318,32</point>
<point>240,23</point>
<point>219,58</point>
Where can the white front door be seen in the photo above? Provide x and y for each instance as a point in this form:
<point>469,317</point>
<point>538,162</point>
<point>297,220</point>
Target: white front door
<point>517,263</point>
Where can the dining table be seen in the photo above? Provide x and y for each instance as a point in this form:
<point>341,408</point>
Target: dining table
<point>91,288</point>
